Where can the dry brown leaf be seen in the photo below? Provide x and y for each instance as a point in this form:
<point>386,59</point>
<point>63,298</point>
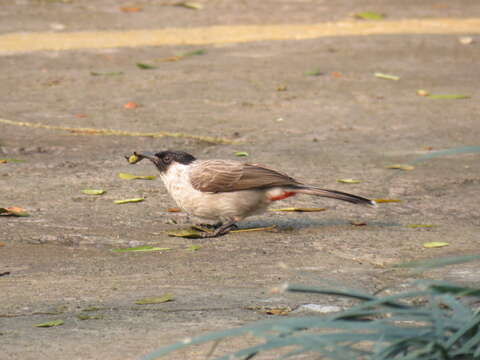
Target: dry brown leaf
<point>174,210</point>
<point>358,223</point>
<point>379,201</point>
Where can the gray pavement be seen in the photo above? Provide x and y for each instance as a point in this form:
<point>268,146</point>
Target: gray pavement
<point>344,123</point>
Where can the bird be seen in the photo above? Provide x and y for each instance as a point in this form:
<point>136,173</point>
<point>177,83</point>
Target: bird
<point>223,192</point>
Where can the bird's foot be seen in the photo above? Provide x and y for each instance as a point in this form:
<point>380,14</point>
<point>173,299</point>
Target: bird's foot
<point>220,231</point>
<point>209,226</point>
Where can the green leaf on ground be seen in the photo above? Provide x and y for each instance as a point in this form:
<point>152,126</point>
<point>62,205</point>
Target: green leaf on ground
<point>265,228</point>
<point>193,53</point>
<point>386,76</point>
<point>379,201</point>
<point>313,73</point>
<point>93,192</point>
<point>435,244</point>
<point>127,176</point>
<point>111,73</point>
<point>241,153</point>
<point>190,5</point>
<point>349,181</point>
<point>126,201</point>
<point>369,15</point>
<point>448,96</point>
<point>144,66</point>
<point>194,247</point>
<point>155,300</point>
<point>405,167</point>
<point>50,323</point>
<point>143,248</point>
<point>5,161</point>
<point>185,233</point>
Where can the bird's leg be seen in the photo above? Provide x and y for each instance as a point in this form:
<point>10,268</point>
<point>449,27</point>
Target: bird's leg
<point>210,226</point>
<point>222,230</point>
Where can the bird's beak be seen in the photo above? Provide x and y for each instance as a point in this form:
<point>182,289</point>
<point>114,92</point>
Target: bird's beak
<point>136,157</point>
<point>146,154</point>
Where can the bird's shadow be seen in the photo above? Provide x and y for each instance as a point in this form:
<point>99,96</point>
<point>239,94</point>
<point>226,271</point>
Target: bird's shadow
<point>286,224</point>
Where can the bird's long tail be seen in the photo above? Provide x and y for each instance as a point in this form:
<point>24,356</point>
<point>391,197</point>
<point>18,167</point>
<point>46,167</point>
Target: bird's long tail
<point>354,199</point>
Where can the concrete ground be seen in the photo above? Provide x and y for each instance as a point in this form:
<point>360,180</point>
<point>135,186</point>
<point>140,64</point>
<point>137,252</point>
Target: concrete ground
<point>342,123</point>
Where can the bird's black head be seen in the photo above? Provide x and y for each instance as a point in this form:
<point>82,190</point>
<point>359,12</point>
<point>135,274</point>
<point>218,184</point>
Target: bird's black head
<point>164,159</point>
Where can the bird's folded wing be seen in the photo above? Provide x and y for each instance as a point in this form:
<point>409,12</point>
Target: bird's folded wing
<point>224,175</point>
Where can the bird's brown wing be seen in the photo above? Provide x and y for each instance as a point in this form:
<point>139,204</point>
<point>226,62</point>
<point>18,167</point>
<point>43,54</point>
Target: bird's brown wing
<point>224,176</point>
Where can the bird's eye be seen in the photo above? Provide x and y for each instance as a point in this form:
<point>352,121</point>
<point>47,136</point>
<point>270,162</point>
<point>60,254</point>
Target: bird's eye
<point>167,159</point>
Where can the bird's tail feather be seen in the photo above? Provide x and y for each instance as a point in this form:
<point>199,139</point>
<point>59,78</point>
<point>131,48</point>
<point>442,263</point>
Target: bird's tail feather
<point>354,199</point>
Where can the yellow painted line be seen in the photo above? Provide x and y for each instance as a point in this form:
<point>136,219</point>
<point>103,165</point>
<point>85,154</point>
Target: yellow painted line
<point>28,42</point>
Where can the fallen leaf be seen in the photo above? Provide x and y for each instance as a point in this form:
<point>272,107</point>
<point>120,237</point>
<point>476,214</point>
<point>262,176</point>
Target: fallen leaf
<point>336,74</point>
<point>80,116</point>
<point>416,226</point>
<point>110,73</point>
<point>144,66</point>
<point>2,244</point>
<point>174,210</point>
<point>266,228</point>
<point>50,323</point>
<point>130,105</point>
<point>130,9</point>
<point>435,244</point>
<point>369,15</point>
<point>186,233</point>
<point>465,40</point>
<point>194,247</point>
<point>282,88</point>
<point>5,161</point>
<point>155,300</point>
<point>93,192</point>
<point>448,96</point>
<point>300,209</point>
<point>127,176</point>
<point>92,308</point>
<point>405,167</point>
<point>126,201</point>
<point>379,201</point>
<point>144,248</point>
<point>358,223</point>
<point>314,73</point>
<point>422,92</point>
<point>192,53</point>
<point>13,211</point>
<point>241,153</point>
<point>190,5</point>
<point>386,76</point>
<point>349,181</point>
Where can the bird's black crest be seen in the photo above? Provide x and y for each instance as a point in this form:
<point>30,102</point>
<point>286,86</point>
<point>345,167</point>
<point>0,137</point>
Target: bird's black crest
<point>181,157</point>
